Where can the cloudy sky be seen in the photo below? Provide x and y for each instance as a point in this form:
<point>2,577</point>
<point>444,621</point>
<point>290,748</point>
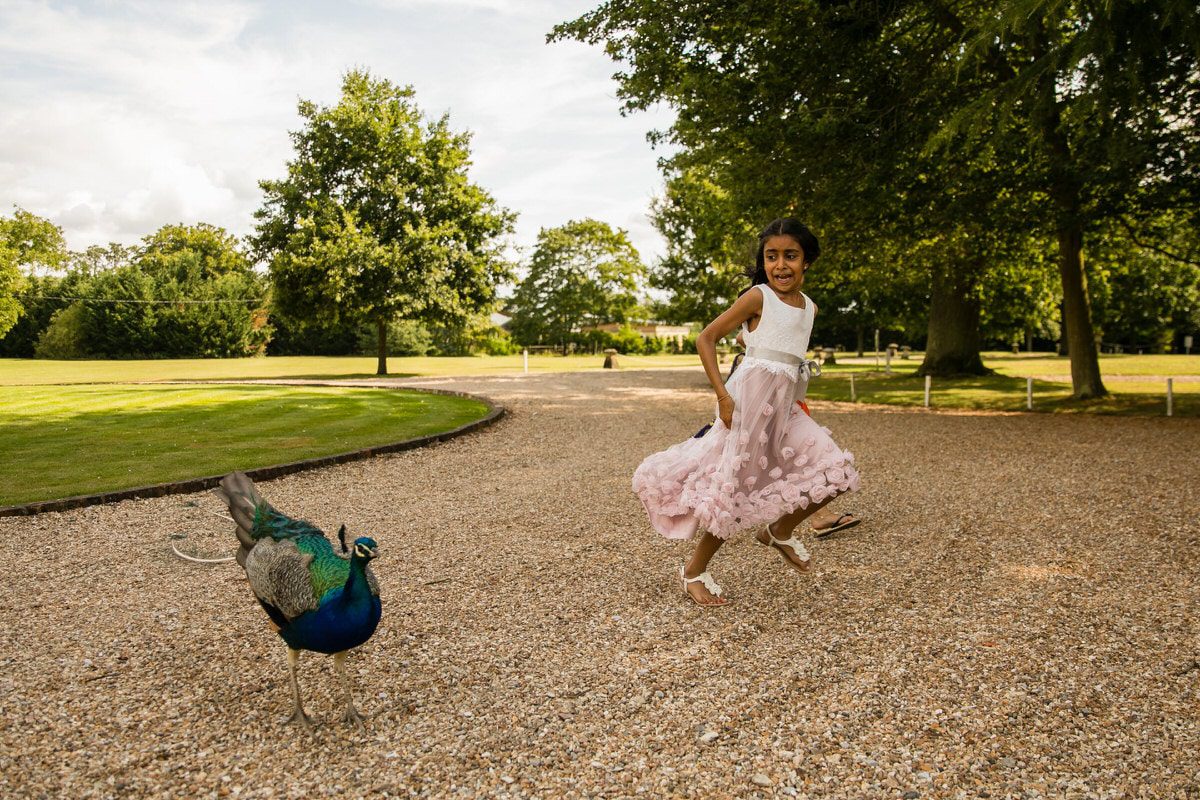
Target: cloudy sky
<point>120,117</point>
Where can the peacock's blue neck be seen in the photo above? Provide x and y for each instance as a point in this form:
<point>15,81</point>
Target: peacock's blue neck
<point>345,618</point>
<point>356,590</point>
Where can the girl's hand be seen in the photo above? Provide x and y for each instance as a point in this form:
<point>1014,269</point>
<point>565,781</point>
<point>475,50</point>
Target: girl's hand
<point>725,410</point>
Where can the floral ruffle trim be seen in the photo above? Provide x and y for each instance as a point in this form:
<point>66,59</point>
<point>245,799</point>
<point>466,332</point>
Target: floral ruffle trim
<point>723,507</point>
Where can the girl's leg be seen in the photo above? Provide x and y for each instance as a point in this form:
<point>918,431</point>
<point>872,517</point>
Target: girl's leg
<point>706,548</point>
<point>782,528</point>
<point>785,526</point>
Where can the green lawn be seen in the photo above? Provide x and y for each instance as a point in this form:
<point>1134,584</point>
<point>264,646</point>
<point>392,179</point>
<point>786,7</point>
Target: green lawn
<point>60,441</point>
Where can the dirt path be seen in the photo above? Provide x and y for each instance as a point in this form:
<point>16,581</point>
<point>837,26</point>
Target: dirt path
<point>1017,616</point>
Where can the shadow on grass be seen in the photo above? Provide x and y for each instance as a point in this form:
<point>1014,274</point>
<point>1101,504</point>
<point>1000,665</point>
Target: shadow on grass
<point>993,392</point>
<point>328,376</point>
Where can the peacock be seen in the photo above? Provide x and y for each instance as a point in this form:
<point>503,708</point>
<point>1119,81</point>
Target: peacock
<point>319,600</point>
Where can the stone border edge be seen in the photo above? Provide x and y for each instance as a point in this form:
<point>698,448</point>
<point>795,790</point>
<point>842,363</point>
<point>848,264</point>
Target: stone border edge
<point>495,412</point>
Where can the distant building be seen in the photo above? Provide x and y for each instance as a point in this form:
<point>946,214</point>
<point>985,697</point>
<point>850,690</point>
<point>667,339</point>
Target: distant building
<point>650,330</point>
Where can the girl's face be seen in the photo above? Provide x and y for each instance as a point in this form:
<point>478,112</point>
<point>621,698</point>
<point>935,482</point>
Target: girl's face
<point>783,259</point>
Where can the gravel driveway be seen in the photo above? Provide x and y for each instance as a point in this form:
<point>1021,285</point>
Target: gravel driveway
<point>1017,618</point>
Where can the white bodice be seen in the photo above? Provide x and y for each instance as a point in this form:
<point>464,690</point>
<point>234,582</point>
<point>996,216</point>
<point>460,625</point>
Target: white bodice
<point>781,327</point>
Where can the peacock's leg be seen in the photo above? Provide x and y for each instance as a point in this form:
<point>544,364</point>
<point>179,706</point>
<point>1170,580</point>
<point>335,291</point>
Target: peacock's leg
<point>351,713</point>
<point>298,715</point>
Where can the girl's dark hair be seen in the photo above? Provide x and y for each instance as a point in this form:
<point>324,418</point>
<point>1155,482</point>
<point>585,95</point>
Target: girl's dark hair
<point>784,226</point>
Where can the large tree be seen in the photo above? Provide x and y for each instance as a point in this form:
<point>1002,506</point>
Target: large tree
<point>708,246</point>
<point>377,219</point>
<point>957,125</point>
<point>1108,96</point>
<point>220,302</point>
<point>581,273</point>
<point>42,295</point>
<point>824,111</point>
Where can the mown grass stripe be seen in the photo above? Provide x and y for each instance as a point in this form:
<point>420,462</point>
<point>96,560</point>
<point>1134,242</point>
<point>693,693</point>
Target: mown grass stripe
<point>66,441</point>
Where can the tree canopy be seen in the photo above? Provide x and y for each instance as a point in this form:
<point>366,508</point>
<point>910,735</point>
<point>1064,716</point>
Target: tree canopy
<point>583,273</point>
<point>29,245</point>
<point>184,291</point>
<point>11,282</point>
<point>376,219</point>
<point>708,245</point>
<point>941,136</point>
<point>1107,96</point>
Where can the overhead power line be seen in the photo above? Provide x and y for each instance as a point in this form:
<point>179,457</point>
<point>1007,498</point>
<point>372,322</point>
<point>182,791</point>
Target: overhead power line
<point>181,301</point>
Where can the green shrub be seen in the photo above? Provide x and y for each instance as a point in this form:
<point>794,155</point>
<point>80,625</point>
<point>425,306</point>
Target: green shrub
<point>294,338</point>
<point>225,329</point>
<point>629,341</point>
<point>653,345</point>
<point>495,342</point>
<point>64,337</point>
<point>122,324</point>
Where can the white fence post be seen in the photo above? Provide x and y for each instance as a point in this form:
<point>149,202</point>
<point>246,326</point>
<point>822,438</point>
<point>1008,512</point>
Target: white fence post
<point>1170,395</point>
<point>928,381</point>
<point>887,362</point>
<point>1029,394</point>
<point>525,359</point>
<point>853,393</point>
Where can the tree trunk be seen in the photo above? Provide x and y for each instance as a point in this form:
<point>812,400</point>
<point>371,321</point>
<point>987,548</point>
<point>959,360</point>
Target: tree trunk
<point>1064,185</point>
<point>381,328</point>
<point>1062,331</point>
<point>953,344</point>
<point>1077,314</point>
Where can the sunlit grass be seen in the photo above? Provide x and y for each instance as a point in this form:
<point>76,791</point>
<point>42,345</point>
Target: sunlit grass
<point>1047,364</point>
<point>60,441</point>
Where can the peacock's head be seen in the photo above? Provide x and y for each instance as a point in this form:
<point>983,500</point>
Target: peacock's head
<point>365,548</point>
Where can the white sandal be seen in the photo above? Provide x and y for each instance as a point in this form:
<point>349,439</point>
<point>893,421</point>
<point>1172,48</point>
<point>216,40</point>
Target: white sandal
<point>793,544</point>
<point>713,587</point>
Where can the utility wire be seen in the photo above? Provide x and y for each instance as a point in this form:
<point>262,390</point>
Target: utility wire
<point>185,301</point>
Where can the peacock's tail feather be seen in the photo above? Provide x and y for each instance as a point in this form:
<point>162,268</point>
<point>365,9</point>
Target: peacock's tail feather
<point>269,522</point>
<point>243,500</point>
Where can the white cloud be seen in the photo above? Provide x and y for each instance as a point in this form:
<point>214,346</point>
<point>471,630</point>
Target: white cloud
<point>120,118</point>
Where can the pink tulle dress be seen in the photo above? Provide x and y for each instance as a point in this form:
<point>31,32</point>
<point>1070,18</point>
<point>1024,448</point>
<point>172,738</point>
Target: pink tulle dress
<point>774,460</point>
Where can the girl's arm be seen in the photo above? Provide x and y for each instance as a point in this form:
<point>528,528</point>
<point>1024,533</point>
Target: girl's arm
<point>747,306</point>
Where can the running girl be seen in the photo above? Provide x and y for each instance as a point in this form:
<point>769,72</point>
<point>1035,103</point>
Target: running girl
<point>764,463</point>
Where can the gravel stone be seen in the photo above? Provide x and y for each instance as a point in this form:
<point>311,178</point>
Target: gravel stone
<point>1033,578</point>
